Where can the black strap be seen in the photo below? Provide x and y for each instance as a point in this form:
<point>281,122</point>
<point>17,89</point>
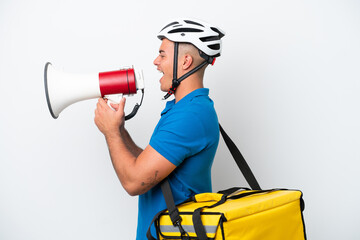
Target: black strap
<point>232,190</point>
<point>169,199</point>
<point>173,210</point>
<point>195,69</point>
<point>175,82</point>
<point>240,161</point>
<point>198,225</point>
<point>176,53</point>
<point>148,233</point>
<point>136,108</point>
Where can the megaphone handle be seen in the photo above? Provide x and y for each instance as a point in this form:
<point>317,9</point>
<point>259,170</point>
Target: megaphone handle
<point>136,107</point>
<point>133,113</point>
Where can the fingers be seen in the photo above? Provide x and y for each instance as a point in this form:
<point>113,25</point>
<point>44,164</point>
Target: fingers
<point>102,102</point>
<point>101,108</point>
<point>121,107</point>
<point>115,106</point>
<point>102,105</point>
<point>122,103</point>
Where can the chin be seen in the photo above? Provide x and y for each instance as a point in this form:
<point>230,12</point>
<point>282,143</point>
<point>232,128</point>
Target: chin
<point>164,89</point>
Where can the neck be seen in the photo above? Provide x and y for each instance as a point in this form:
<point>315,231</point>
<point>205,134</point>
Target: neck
<point>188,85</point>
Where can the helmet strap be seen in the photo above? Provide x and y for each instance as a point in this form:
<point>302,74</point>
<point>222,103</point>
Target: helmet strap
<point>176,81</point>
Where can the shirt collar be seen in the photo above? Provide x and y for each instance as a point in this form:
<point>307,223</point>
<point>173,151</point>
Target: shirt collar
<point>187,98</point>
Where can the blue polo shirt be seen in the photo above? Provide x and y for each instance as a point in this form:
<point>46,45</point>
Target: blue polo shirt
<point>187,135</point>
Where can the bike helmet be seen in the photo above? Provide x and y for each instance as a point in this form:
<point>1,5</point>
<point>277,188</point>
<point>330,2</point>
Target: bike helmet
<point>202,35</point>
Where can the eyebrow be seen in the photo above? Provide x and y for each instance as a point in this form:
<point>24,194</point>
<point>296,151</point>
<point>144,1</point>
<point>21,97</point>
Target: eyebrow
<point>161,51</point>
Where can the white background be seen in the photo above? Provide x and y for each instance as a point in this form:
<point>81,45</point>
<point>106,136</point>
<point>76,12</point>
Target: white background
<point>286,89</point>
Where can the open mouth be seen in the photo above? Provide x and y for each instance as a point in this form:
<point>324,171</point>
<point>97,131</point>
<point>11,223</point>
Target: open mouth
<point>161,73</point>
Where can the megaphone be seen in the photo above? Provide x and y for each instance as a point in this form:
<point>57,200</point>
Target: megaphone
<point>63,89</point>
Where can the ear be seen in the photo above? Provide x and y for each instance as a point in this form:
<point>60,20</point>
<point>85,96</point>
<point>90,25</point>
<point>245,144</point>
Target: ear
<point>187,61</point>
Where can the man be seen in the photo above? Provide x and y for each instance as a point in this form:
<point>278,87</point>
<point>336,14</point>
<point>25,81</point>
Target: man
<point>184,142</point>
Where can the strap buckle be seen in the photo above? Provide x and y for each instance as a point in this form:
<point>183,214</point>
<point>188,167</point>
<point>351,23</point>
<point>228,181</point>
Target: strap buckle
<point>172,89</point>
<point>175,217</point>
<point>177,223</point>
<point>184,234</point>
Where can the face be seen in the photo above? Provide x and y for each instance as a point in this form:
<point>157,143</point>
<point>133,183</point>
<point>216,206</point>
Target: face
<point>164,63</point>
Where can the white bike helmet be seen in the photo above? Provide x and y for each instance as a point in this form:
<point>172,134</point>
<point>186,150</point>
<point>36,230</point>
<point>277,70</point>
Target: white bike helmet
<point>202,35</point>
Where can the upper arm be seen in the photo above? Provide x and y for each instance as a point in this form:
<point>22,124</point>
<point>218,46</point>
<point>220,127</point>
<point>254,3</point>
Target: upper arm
<point>150,169</point>
<point>178,138</point>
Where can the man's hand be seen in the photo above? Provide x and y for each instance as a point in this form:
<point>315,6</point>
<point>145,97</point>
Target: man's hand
<point>108,121</point>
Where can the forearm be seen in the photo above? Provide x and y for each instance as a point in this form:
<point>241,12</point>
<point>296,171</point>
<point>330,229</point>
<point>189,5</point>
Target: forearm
<point>123,152</point>
<point>130,144</point>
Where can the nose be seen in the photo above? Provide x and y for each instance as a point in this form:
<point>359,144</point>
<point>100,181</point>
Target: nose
<point>156,61</point>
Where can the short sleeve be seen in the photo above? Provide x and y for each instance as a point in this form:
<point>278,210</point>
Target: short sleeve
<point>179,138</point>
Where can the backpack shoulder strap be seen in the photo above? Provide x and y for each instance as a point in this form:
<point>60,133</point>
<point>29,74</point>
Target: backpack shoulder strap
<point>240,161</point>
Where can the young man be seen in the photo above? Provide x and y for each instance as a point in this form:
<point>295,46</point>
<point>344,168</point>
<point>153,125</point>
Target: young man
<point>184,142</point>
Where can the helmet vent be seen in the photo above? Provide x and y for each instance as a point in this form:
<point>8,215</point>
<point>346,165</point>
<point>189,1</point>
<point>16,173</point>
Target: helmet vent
<point>208,39</point>
<point>185,30</point>
<point>192,22</point>
<point>214,46</point>
<point>218,31</point>
<point>170,24</point>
